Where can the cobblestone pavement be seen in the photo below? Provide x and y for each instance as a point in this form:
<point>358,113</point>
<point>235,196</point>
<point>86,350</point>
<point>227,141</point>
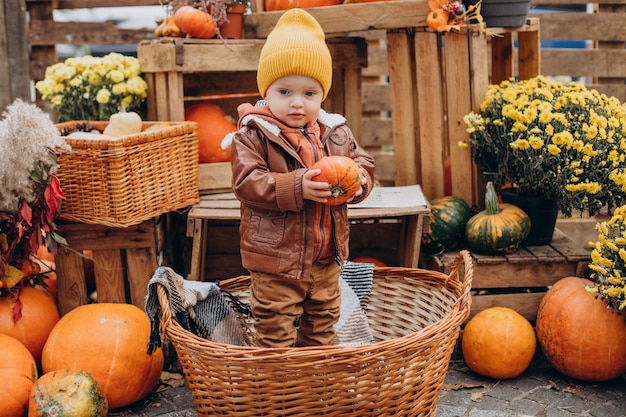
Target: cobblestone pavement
<point>540,392</point>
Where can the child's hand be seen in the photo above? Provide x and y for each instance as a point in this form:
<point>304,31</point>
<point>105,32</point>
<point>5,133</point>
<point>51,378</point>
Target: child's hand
<point>314,190</point>
<point>363,185</point>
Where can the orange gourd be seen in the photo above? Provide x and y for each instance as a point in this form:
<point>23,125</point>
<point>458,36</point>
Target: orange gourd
<point>18,373</point>
<point>213,125</point>
<point>39,314</point>
<point>579,336</point>
<point>67,393</point>
<point>498,343</point>
<point>195,22</point>
<point>108,341</point>
<point>343,175</point>
<point>271,5</point>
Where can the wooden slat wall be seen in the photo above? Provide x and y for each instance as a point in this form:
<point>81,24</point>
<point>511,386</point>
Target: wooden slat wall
<point>603,64</point>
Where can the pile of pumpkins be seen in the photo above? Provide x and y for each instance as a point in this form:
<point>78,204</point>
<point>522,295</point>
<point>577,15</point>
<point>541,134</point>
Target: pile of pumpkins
<point>92,359</point>
<point>579,336</point>
<point>498,229</point>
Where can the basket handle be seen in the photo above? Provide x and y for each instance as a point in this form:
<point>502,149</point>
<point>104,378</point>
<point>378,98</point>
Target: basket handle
<point>465,259</point>
<point>165,320</point>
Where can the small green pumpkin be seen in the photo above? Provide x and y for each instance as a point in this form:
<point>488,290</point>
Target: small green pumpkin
<point>498,229</point>
<point>448,216</point>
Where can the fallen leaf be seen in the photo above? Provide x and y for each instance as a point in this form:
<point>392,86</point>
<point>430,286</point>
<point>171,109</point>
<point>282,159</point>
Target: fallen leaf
<point>477,396</point>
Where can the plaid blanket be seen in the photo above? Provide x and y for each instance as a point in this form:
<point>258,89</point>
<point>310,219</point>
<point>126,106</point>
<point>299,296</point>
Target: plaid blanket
<point>203,309</point>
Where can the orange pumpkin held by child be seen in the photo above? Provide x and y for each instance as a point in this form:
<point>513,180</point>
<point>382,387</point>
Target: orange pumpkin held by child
<point>343,175</point>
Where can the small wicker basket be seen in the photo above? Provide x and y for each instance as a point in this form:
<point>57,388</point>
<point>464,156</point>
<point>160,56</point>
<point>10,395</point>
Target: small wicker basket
<point>124,181</point>
<point>415,316</point>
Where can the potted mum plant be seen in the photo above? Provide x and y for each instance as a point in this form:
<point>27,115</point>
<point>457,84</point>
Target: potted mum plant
<point>553,141</point>
<point>94,88</point>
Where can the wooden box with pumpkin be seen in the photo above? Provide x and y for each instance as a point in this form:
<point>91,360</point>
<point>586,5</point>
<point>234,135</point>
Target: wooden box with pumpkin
<point>183,73</point>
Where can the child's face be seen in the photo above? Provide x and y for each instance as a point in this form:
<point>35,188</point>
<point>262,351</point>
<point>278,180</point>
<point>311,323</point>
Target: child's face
<point>295,99</point>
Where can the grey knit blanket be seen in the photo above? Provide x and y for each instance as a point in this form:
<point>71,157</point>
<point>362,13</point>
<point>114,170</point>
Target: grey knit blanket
<point>202,308</point>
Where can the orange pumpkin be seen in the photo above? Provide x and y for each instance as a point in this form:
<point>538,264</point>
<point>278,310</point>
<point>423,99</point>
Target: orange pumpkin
<point>18,373</point>
<point>195,22</point>
<point>579,336</point>
<point>369,260</point>
<point>213,125</point>
<point>498,343</point>
<point>67,393</point>
<point>343,175</point>
<point>437,20</point>
<point>271,5</point>
<point>39,314</point>
<point>108,341</point>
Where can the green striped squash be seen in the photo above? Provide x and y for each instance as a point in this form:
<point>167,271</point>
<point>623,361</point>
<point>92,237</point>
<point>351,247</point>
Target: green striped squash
<point>498,229</point>
<point>448,216</point>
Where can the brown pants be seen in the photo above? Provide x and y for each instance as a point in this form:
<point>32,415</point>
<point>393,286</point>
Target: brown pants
<point>279,303</point>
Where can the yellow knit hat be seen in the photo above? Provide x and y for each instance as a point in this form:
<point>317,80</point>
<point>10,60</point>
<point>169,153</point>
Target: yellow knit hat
<point>296,46</point>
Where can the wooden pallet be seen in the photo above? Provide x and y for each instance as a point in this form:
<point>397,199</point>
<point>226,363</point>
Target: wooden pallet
<point>520,280</point>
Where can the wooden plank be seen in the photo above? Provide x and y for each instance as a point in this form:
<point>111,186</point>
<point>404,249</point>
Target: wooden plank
<point>109,275</point>
<point>458,102</point>
<point>376,97</point>
<point>375,132</point>
<point>430,112</point>
<point>141,264</point>
<point>403,108</point>
<point>82,237</point>
<point>71,284</point>
<point>584,62</point>
<point>528,53</point>
<point>48,32</point>
<point>582,26</point>
<point>502,50</point>
<point>348,17</point>
<point>525,304</point>
<point>215,177</point>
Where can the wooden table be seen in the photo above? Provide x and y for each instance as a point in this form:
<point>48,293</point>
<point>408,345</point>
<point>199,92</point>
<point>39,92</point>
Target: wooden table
<point>225,207</point>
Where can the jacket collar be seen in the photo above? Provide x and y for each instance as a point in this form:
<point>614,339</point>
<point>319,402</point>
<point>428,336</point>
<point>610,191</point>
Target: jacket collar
<point>330,120</point>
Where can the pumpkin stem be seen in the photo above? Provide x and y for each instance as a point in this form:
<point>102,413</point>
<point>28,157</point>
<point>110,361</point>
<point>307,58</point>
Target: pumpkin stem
<point>491,199</point>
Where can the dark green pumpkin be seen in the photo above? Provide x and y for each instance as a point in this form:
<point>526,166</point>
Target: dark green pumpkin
<point>448,216</point>
<point>498,229</point>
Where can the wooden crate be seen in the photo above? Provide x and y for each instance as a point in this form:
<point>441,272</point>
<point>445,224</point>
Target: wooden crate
<point>124,260</point>
<point>521,279</point>
<point>392,235</point>
<point>181,72</point>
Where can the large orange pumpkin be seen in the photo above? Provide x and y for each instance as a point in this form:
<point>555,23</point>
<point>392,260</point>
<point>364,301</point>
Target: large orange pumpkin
<point>369,260</point>
<point>39,314</point>
<point>343,175</point>
<point>67,393</point>
<point>271,5</point>
<point>18,373</point>
<point>498,342</point>
<point>579,336</point>
<point>108,341</point>
<point>213,125</point>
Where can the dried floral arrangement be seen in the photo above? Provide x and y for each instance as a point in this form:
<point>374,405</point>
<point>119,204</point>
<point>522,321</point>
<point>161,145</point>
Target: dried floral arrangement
<point>30,195</point>
<point>216,8</point>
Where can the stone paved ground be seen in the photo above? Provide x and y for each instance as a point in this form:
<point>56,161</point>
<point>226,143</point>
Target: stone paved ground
<point>539,392</point>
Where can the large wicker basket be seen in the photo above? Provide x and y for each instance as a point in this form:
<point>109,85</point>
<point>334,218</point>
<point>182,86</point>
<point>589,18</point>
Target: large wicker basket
<point>125,181</point>
<point>415,316</point>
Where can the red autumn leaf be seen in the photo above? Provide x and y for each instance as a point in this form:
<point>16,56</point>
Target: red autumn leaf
<point>52,195</point>
<point>27,213</point>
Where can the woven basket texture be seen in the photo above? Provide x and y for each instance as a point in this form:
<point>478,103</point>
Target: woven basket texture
<point>124,181</point>
<point>415,316</point>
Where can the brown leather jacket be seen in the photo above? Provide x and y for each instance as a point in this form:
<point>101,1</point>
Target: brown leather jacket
<point>277,225</point>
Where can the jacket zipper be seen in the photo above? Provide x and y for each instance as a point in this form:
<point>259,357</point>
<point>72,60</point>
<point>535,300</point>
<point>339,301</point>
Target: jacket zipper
<point>316,158</point>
